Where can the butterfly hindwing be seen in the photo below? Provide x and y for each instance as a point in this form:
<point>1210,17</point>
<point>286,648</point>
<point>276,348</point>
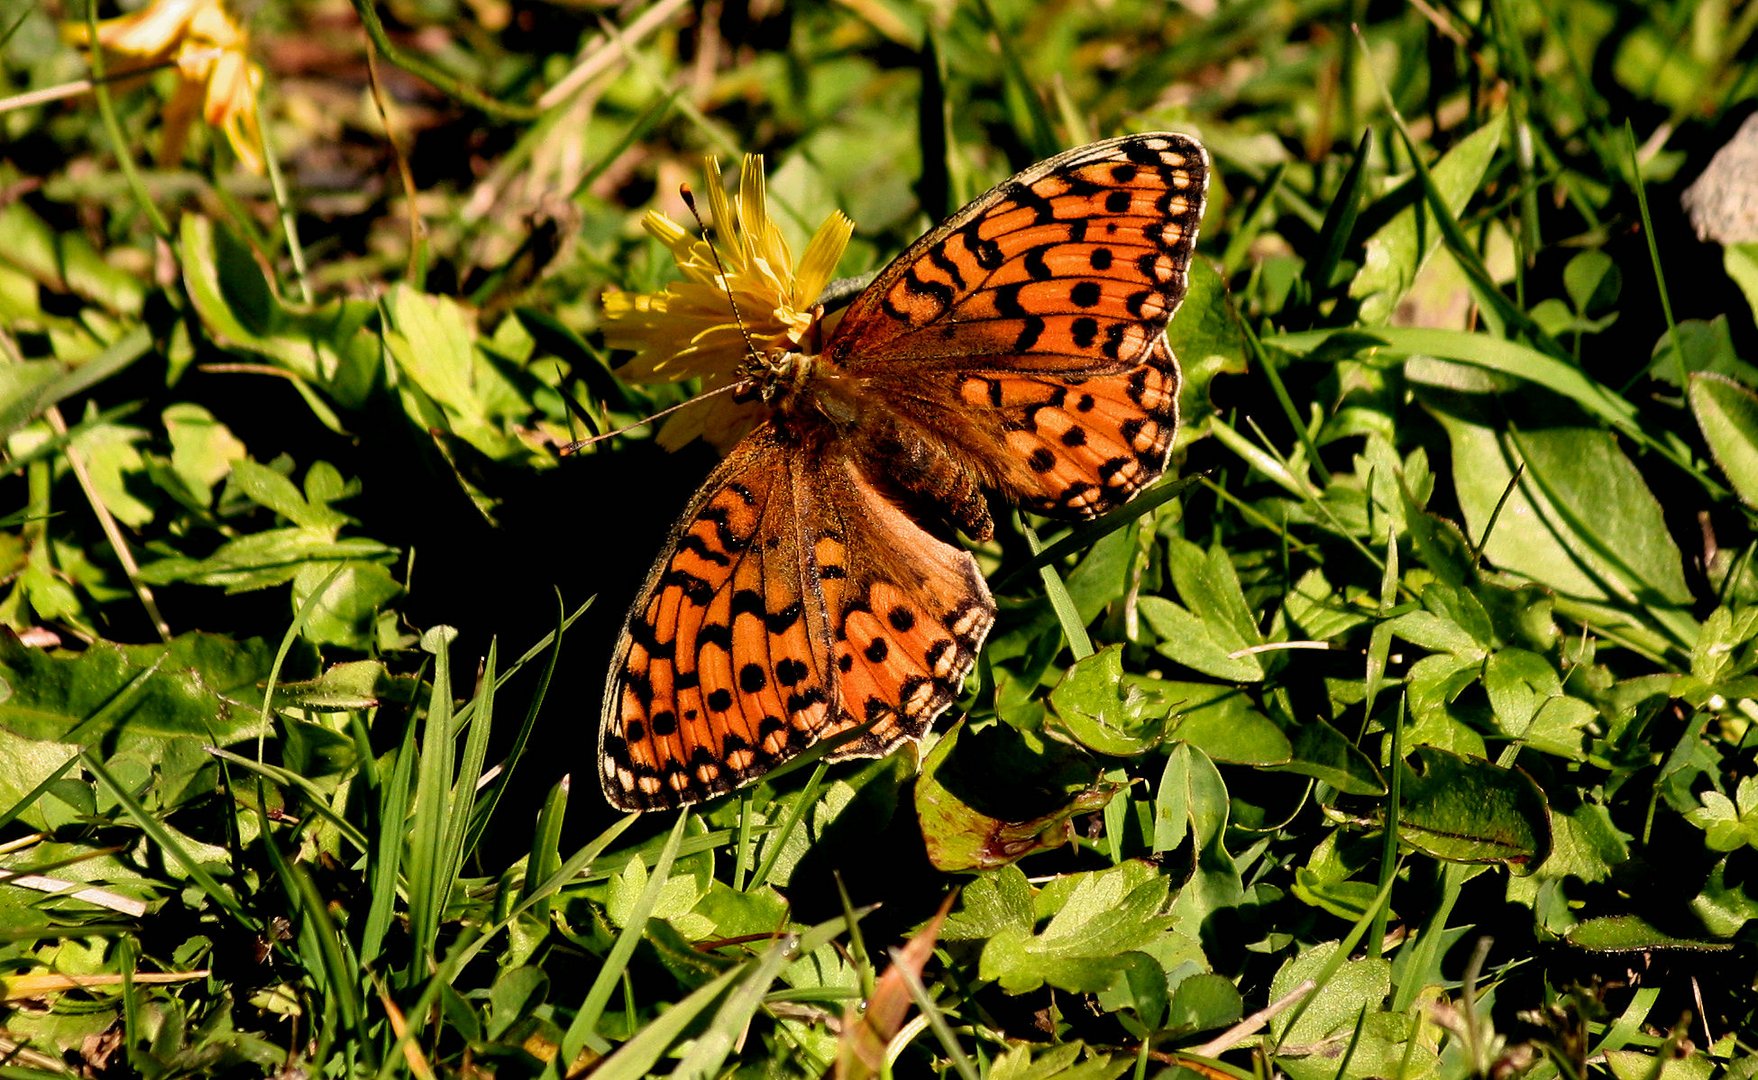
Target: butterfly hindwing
<point>795,602</point>
<point>908,613</point>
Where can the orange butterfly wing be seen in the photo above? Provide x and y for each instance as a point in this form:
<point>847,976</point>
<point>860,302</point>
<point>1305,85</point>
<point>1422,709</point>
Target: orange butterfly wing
<point>1030,327</point>
<point>796,603</point>
<point>798,598</point>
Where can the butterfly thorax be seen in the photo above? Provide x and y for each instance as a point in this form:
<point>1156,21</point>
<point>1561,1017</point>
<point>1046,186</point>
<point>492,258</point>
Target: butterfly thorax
<point>815,400</point>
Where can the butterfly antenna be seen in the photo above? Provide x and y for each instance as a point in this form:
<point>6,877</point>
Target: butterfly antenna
<point>689,198</point>
<point>580,444</point>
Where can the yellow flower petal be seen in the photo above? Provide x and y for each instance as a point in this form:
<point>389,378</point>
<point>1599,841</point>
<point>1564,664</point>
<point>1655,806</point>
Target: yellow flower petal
<point>153,31</point>
<point>213,65</point>
<point>688,330</point>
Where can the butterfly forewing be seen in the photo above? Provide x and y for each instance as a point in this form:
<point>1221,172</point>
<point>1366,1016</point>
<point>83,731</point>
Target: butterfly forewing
<point>722,671</point>
<point>1073,266</point>
<point>1031,327</point>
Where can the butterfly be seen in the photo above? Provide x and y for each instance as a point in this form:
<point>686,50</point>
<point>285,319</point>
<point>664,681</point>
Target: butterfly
<point>813,588</point>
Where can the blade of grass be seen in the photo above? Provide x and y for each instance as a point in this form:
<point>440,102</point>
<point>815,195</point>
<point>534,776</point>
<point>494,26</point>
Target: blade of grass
<point>1340,217</point>
<point>427,861</point>
<point>385,859</point>
<point>808,797</point>
<point>169,844</point>
<point>320,945</point>
<point>1666,304</point>
<point>1085,536</point>
<point>583,1030</point>
<point>1389,837</point>
<point>314,796</point>
<point>1073,629</point>
<point>485,806</point>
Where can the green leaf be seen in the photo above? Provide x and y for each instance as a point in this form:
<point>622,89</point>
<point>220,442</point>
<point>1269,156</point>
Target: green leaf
<point>1728,824</point>
<point>1727,414</point>
<point>1204,1002</point>
<point>1461,810</point>
<point>1213,642</point>
<point>1322,752</point>
<point>1206,339</point>
<point>28,389</point>
<point>201,685</point>
<point>356,684</point>
<point>64,260</point>
<point>1629,934</point>
<point>1097,708</point>
<point>1335,1008</point>
<point>1223,722</point>
<point>1059,1062</point>
<point>203,450</point>
<point>997,899</point>
<point>969,826</point>
<point>1396,253</point>
<point>1581,519</point>
<point>347,612</point>
<point>1105,915</point>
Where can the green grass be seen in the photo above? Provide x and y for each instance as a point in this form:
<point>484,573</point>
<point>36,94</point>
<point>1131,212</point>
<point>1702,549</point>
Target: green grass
<point>1407,731</point>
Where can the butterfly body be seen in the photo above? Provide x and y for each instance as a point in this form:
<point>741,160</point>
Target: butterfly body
<point>812,589</point>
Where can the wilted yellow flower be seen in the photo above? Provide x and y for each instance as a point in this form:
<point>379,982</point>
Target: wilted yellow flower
<point>216,77</point>
<point>688,330</point>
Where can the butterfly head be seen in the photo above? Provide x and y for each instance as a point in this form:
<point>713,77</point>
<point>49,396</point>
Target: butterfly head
<point>773,376</point>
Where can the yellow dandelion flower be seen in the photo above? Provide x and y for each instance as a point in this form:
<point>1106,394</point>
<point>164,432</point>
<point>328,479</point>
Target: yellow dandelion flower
<point>688,330</point>
<point>217,80</point>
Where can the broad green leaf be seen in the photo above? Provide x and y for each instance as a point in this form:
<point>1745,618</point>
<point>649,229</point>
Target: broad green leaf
<point>1104,915</point>
<point>1629,934</point>
<point>1097,708</point>
<point>1222,722</point>
<point>1727,413</point>
<point>28,389</point>
<point>1728,824</point>
<point>1741,263</point>
<point>113,461</point>
<point>1204,1002</point>
<point>64,260</point>
<point>1315,607</point>
<point>515,993</point>
<point>1058,1062</point>
<point>996,899</point>
<point>271,557</point>
<point>1462,810</point>
<point>962,819</point>
<point>1205,338</point>
<point>273,490</point>
<point>328,347</point>
<point>1198,643</point>
<point>1645,1065</point>
<point>203,450</point>
<point>1192,801</point>
<point>1396,253</point>
<point>1581,519</point>
<point>1726,903</point>
<point>1333,1010</point>
<point>347,611</point>
<point>1700,347</point>
<point>200,685</point>
<point>1322,752</point>
<point>356,684</point>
